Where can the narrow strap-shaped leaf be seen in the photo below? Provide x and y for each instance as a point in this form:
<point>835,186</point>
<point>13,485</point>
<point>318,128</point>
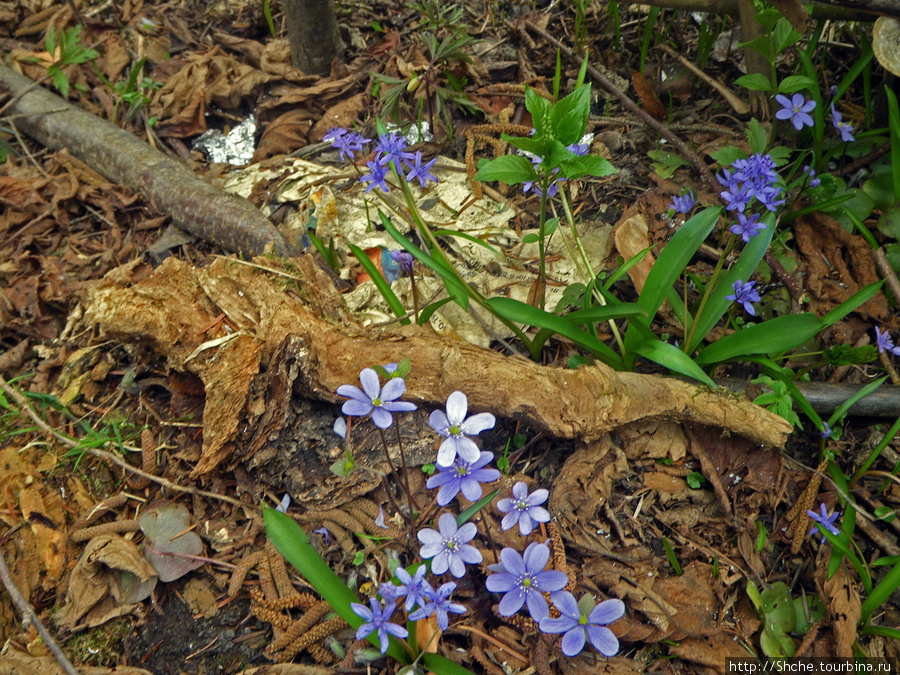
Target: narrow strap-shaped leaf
<point>769,337</point>
<point>380,282</point>
<point>672,358</point>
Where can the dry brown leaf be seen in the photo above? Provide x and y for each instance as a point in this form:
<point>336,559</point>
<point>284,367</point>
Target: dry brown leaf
<point>108,580</point>
<point>648,97</point>
<point>631,237</point>
<point>43,510</point>
<point>284,135</point>
<point>842,599</point>
<point>654,439</point>
<point>342,114</point>
<point>15,662</point>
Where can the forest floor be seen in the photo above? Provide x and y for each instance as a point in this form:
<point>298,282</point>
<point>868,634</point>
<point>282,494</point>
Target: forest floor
<point>123,334</point>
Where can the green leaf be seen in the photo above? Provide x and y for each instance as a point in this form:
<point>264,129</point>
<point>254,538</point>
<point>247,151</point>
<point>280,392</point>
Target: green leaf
<point>292,542</point>
<point>695,480</point>
<point>380,282</point>
<point>861,297</point>
<point>536,146</point>
<point>784,36</point>
<point>539,107</point>
<point>763,45</point>
<point>672,358</point>
<point>794,83</point>
<point>467,237</point>
<point>587,165</point>
<point>894,126</point>
<point>510,169</point>
<point>757,136</point>
<point>569,117</point>
<point>775,336</point>
<point>754,82</point>
<point>726,156</point>
<point>519,312</point>
<point>466,515</point>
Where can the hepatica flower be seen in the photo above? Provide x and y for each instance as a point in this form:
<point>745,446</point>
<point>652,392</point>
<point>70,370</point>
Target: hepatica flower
<point>438,602</point>
<point>744,294</point>
<point>373,399</point>
<point>524,580</point>
<point>524,509</point>
<point>456,429</point>
<point>824,519</point>
<point>581,623</point>
<point>796,109</point>
<point>462,476</point>
<point>376,621</point>
<point>845,129</point>
<point>449,547</point>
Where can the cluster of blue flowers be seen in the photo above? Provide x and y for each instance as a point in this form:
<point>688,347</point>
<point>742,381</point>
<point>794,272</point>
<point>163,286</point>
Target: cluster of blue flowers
<point>390,152</point>
<point>523,579</point>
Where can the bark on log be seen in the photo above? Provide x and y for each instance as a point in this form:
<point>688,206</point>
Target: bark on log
<point>172,188</point>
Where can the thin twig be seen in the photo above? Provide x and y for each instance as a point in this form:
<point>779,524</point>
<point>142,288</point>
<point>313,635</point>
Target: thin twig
<point>107,456</point>
<point>29,616</point>
<point>887,272</point>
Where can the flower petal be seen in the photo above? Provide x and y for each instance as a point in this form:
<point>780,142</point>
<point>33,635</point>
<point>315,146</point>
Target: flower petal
<point>466,448</point>
<point>440,563</point>
<point>447,452</point>
<point>537,606</point>
<point>539,514</point>
<point>393,389</point>
<point>573,641</point>
<point>396,630</point>
<point>501,582</point>
<point>509,520</point>
<point>370,383</point>
<point>466,533</point>
<point>567,605</point>
<point>448,527</point>
<point>478,423</point>
<point>440,478</point>
<point>457,405</point>
<point>471,489</point>
<point>536,557</point>
<point>512,602</point>
<point>446,494</point>
<point>520,491</point>
<point>551,581</point>
<point>559,625</point>
<point>607,612</point>
<point>356,408</point>
<point>355,393</point>
<point>361,611</point>
<point>603,640</point>
<point>470,554</point>
<point>484,458</point>
<point>429,537</point>
<point>525,524</point>
<point>382,418</point>
<point>398,406</point>
<point>438,421</point>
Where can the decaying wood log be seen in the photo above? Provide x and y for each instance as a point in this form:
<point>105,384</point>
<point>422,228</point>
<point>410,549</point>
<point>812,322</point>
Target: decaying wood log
<point>172,188</point>
<point>169,309</point>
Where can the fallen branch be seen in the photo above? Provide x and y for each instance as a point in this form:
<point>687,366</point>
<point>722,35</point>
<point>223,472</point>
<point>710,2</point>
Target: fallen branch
<point>195,205</point>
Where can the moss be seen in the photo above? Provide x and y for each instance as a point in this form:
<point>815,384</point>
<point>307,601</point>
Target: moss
<point>99,646</point>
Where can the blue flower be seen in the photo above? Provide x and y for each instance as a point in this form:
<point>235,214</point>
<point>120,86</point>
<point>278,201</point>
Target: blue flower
<point>826,431</point>
<point>580,626</point>
<point>796,109</point>
<point>825,519</point>
<point>345,141</point>
<point>811,173</point>
<point>379,520</point>
<point>450,546</point>
<point>885,343</point>
<point>683,203</point>
<point>438,602</point>
<point>324,532</point>
<point>340,427</point>
<point>462,476</point>
<point>373,399</point>
<point>414,586</point>
<point>524,580</point>
<point>421,172</point>
<point>580,149</point>
<point>747,227</point>
<point>845,129</point>
<point>524,509</point>
<point>377,621</point>
<point>392,147</point>
<point>745,294</point>
<point>406,262</point>
<point>377,176</point>
<point>737,196</point>
<point>456,429</point>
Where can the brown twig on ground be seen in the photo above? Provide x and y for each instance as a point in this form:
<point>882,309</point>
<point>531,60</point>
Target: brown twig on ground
<point>642,114</point>
<point>106,456</point>
<point>29,616</point>
<point>737,103</point>
<point>887,273</point>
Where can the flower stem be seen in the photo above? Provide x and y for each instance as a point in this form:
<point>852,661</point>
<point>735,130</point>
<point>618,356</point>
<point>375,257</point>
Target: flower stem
<point>394,471</point>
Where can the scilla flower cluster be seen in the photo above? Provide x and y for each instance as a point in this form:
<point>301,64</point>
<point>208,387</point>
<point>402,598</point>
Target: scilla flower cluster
<point>390,152</point>
<point>522,579</point>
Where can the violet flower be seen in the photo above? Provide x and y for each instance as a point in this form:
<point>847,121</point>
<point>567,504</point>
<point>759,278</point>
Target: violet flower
<point>747,227</point>
<point>406,262</point>
<point>438,602</point>
<point>845,129</point>
<point>377,176</point>
<point>796,109</point>
<point>580,626</point>
<point>524,508</point>
<point>420,172</point>
<point>413,586</point>
<point>377,622</point>
<point>744,294</point>
<point>683,203</point>
<point>884,342</point>
<point>462,476</point>
<point>524,580</point>
<point>456,429</point>
<point>825,519</point>
<point>449,546</point>
<point>373,399</point>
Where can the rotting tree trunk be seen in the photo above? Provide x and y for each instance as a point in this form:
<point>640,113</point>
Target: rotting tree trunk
<point>756,63</point>
<point>313,35</point>
<point>194,205</point>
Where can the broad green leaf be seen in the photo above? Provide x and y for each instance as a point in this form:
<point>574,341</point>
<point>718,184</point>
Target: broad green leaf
<point>757,136</point>
<point>292,542</point>
<point>539,107</point>
<point>754,82</point>
<point>784,36</point>
<point>763,45</point>
<point>672,358</point>
<point>536,146</point>
<point>510,169</point>
<point>588,165</point>
<point>770,337</point>
<point>570,116</point>
<point>894,126</point>
<point>727,155</point>
<point>794,83</point>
